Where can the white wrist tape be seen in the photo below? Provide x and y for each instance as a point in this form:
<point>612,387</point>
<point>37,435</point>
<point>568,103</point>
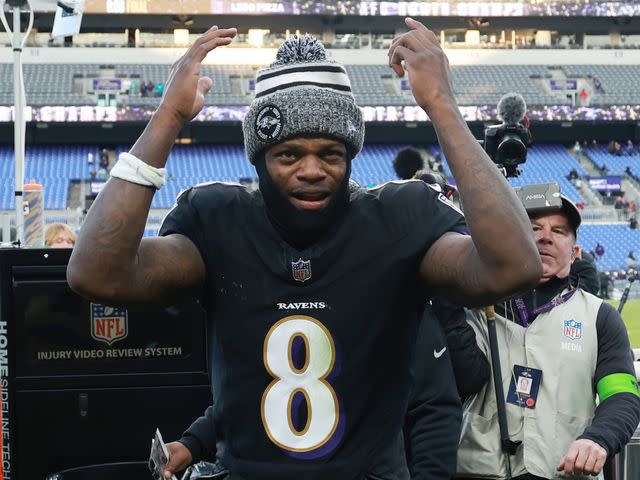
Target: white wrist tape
<point>134,170</point>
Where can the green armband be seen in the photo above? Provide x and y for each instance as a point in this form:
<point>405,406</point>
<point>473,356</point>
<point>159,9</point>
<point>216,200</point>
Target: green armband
<point>617,383</point>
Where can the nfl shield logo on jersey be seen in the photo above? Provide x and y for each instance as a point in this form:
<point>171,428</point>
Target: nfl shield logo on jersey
<point>572,329</point>
<point>108,324</point>
<point>301,270</point>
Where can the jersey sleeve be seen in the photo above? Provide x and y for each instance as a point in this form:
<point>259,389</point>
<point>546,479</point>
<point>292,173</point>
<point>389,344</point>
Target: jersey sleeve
<point>443,215</point>
<point>423,211</point>
<point>200,437</point>
<point>183,219</point>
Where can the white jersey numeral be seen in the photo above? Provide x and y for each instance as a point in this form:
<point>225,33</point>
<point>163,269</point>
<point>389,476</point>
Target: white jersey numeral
<point>309,381</point>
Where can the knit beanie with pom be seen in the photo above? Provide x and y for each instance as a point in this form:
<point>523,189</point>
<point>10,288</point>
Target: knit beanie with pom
<point>302,94</point>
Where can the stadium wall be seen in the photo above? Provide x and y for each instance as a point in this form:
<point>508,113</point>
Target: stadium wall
<point>115,133</point>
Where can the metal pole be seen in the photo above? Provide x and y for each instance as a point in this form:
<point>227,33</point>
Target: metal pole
<point>18,125</point>
<point>625,294</point>
<point>508,446</point>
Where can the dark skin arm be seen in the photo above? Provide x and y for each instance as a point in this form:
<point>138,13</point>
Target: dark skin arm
<point>500,257</point>
<point>111,262</point>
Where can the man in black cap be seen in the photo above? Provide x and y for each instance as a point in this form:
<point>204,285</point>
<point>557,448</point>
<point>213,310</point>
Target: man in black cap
<point>559,347</point>
<point>313,291</point>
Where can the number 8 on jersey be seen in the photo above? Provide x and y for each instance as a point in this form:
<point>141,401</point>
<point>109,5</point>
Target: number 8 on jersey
<point>307,382</point>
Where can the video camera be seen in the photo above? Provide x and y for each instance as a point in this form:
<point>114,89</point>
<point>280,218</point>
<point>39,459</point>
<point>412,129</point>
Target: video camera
<point>507,143</point>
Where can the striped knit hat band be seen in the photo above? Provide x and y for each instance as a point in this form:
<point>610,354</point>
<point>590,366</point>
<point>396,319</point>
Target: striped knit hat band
<point>320,75</point>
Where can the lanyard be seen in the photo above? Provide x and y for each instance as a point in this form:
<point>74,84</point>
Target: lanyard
<point>524,313</point>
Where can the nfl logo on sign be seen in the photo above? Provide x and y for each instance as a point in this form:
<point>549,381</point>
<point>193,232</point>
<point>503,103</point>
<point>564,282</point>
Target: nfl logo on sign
<point>572,329</point>
<point>301,270</point>
<point>108,324</point>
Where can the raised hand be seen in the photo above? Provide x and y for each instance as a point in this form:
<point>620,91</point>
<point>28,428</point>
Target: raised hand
<point>185,89</point>
<point>426,65</point>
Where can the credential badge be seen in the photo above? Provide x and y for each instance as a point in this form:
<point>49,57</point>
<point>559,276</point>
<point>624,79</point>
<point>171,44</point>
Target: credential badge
<point>269,123</point>
<point>301,270</point>
<point>572,329</point>
<point>108,324</point>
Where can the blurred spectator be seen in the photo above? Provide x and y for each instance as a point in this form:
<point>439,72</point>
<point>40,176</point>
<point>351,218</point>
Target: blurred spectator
<point>584,98</point>
<point>92,172</point>
<point>605,284</point>
<point>59,235</point>
<point>597,84</point>
<point>629,148</point>
<point>599,250</point>
<point>577,151</point>
<point>90,159</point>
<point>631,261</point>
<point>633,223</point>
<point>621,208</point>
<point>407,162</point>
<point>102,174</point>
<point>628,171</point>
<point>614,148</point>
<point>104,158</point>
<point>159,90</point>
<point>573,173</point>
<point>436,179</point>
<point>625,208</point>
<point>135,88</point>
<point>580,205</point>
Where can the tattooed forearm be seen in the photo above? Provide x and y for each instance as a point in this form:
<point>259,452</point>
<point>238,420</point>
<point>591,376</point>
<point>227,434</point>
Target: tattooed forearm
<point>503,250</point>
<point>110,262</point>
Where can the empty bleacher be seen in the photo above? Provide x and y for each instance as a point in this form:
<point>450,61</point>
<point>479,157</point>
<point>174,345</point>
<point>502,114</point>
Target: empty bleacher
<point>619,82</point>
<point>614,164</point>
<point>55,166</point>
<point>485,84</point>
<point>374,85</point>
<point>52,166</point>
<point>618,240</point>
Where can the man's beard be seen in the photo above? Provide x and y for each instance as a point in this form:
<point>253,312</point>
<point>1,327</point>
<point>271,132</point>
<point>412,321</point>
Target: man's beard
<point>301,228</point>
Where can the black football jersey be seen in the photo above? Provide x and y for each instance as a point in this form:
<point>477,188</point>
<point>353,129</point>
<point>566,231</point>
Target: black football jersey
<point>310,350</point>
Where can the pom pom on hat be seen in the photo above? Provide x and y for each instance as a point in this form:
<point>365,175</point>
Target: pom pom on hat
<point>300,48</point>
